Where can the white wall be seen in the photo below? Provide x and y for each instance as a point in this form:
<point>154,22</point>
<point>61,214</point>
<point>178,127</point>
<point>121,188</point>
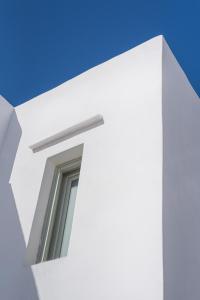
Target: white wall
<point>181,183</point>
<point>116,242</point>
<point>5,113</point>
<point>16,280</point>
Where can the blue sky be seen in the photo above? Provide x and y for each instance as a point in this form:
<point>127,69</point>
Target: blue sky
<point>44,43</point>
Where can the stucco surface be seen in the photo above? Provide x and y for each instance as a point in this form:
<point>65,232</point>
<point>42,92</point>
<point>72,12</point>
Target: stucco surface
<point>5,113</point>
<point>115,249</point>
<point>136,220</point>
<point>181,178</point>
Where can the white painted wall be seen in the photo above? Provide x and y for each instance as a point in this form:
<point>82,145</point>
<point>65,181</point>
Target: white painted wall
<point>116,242</point>
<point>181,183</point>
<point>16,280</point>
<point>116,246</point>
<point>5,113</point>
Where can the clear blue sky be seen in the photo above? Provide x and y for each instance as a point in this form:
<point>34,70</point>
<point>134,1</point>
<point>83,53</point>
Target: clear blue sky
<point>46,42</point>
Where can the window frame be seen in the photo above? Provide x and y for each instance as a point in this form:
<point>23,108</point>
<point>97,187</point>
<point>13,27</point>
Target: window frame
<point>49,246</point>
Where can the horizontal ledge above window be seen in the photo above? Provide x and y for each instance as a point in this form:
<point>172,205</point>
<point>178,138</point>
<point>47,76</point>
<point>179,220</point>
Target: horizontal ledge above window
<point>68,133</point>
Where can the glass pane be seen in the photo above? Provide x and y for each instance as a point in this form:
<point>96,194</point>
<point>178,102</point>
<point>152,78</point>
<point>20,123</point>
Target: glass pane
<point>68,221</point>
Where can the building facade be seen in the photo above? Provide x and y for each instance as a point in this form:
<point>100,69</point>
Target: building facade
<point>121,143</point>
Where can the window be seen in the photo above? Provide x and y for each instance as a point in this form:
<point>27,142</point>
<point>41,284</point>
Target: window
<point>59,214</point>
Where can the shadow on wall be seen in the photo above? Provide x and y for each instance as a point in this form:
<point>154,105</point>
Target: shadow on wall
<point>16,278</point>
<point>181,186</point>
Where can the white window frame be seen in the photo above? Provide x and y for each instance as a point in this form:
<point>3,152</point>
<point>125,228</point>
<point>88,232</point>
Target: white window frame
<point>57,211</point>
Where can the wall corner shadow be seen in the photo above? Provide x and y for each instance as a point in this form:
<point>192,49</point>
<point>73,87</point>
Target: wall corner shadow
<point>181,188</point>
<point>17,280</point>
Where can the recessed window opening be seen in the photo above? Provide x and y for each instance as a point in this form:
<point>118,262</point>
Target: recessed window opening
<point>59,214</point>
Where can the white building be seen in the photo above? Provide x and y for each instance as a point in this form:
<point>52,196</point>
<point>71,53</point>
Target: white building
<point>133,126</point>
